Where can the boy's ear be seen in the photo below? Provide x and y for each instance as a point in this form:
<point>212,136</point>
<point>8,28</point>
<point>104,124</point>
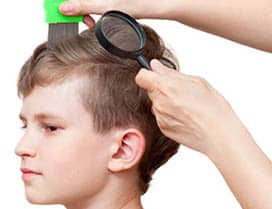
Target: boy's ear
<point>127,150</point>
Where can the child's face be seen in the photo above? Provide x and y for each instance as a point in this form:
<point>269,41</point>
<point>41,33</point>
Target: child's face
<point>59,143</point>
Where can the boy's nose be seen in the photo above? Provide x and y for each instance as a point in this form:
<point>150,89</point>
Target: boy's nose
<point>25,148</point>
<point>24,152</point>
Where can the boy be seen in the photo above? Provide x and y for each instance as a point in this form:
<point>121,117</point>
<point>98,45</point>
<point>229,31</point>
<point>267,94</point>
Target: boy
<point>91,140</point>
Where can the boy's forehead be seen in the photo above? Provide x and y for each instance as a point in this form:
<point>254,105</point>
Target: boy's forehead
<point>56,98</point>
<point>63,88</point>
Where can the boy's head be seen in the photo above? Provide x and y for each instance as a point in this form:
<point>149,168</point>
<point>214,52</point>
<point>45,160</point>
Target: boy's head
<point>89,127</point>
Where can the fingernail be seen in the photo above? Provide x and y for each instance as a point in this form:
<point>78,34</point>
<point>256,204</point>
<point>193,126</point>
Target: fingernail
<point>87,20</point>
<point>66,7</point>
<point>156,64</point>
<point>139,74</point>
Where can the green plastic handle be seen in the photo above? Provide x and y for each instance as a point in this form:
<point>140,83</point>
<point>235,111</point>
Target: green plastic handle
<point>53,15</point>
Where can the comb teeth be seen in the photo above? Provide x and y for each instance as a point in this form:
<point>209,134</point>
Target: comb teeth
<point>61,31</point>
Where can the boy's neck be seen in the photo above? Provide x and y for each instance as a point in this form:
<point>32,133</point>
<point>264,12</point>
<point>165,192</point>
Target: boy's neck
<point>114,200</point>
<point>134,203</point>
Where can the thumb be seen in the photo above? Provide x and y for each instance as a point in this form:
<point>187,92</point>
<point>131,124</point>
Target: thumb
<point>79,7</point>
<point>158,67</point>
<point>162,69</point>
<point>147,80</point>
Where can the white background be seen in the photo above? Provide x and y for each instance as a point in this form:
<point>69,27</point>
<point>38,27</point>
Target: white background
<point>189,180</point>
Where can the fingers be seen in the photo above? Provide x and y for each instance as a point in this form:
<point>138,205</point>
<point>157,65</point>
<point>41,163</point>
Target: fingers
<point>154,81</point>
<point>147,80</point>
<point>89,21</point>
<point>158,67</point>
<point>80,7</point>
<point>157,78</point>
<point>70,8</point>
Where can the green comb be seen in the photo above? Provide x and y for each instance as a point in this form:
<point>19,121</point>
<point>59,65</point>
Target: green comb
<point>60,26</point>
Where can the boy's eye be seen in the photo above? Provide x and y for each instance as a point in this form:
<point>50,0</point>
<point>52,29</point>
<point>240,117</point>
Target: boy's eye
<point>51,128</point>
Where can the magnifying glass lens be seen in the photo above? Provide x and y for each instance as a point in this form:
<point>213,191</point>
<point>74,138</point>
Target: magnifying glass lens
<point>120,33</point>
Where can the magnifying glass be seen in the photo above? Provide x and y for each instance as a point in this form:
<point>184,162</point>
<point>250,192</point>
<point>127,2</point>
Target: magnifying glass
<point>121,35</point>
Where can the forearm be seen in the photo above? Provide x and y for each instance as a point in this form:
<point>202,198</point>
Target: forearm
<point>243,21</point>
<point>246,170</point>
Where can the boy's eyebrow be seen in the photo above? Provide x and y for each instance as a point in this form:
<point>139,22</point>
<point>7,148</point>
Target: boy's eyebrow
<point>40,116</point>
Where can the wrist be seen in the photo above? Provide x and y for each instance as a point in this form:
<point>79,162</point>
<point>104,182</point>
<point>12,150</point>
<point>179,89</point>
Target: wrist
<point>228,140</point>
<point>245,168</point>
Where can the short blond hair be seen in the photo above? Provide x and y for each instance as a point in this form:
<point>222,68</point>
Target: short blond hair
<point>112,98</point>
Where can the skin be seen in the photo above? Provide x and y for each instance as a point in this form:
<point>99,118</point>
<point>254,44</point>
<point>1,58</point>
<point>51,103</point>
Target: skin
<point>79,167</point>
<point>242,21</point>
<point>194,118</point>
<point>203,120</point>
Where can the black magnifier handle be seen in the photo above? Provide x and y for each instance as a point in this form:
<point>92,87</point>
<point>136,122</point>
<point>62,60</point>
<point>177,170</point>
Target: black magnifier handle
<point>143,61</point>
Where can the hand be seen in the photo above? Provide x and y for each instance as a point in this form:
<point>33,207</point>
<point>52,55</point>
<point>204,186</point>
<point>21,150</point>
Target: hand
<point>244,23</point>
<point>137,9</point>
<point>188,109</point>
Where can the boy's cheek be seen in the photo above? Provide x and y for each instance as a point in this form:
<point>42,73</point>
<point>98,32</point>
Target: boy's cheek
<point>64,159</point>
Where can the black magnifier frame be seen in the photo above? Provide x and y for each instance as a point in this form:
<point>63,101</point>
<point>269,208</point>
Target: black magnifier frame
<point>138,53</point>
